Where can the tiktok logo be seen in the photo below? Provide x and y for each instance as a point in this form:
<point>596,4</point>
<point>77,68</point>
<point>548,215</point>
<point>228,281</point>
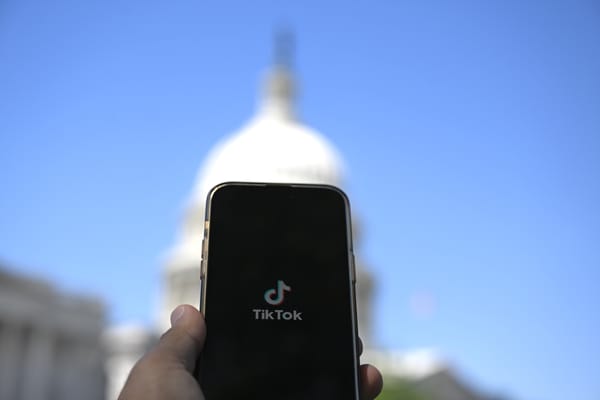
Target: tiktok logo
<point>275,296</point>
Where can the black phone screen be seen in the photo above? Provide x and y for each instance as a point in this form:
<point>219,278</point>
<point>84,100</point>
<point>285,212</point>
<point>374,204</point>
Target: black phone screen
<point>279,295</point>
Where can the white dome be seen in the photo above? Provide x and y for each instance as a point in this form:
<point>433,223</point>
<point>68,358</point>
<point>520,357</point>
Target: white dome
<point>271,150</point>
<point>272,147</point>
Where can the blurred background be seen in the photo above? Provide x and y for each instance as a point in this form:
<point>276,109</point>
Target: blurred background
<point>468,136</point>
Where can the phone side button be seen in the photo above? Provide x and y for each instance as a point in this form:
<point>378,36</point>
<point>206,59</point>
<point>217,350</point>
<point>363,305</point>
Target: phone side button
<point>202,258</point>
<point>353,269</point>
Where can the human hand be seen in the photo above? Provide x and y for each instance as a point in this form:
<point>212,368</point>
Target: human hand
<point>166,372</point>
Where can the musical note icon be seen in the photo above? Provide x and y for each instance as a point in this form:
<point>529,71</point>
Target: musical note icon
<point>275,296</point>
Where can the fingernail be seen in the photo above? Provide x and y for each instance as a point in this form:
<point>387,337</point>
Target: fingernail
<point>177,314</point>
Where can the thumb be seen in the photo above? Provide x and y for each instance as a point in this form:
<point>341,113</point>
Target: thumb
<point>184,341</point>
<point>166,371</point>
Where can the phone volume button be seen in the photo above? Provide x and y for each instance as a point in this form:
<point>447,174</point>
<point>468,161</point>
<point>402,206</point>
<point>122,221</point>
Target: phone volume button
<point>203,260</point>
<point>203,249</point>
<point>353,269</point>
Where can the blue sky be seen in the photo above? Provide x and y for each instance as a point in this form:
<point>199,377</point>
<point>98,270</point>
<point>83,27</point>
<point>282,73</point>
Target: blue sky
<point>471,132</point>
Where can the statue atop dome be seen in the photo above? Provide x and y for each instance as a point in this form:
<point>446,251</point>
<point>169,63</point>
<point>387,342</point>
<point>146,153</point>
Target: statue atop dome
<point>279,92</point>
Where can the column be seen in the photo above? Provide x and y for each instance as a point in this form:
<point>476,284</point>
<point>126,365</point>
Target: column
<point>38,367</point>
<point>11,354</point>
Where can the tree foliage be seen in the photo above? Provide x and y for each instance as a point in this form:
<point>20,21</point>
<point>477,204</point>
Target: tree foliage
<point>397,389</point>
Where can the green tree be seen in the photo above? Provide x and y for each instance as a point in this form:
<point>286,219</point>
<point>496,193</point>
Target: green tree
<point>398,389</point>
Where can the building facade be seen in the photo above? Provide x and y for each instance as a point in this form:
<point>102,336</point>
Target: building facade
<point>50,342</point>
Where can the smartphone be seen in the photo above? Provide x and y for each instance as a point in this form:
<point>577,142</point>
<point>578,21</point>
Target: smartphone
<point>278,294</point>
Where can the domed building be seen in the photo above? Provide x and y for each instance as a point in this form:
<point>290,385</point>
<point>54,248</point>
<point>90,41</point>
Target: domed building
<point>274,146</point>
